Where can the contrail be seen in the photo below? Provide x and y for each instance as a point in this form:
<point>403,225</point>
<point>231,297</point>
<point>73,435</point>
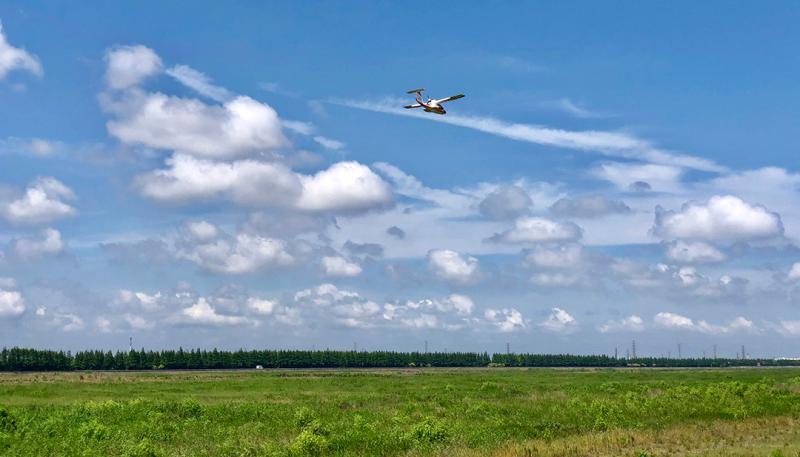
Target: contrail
<point>613,144</point>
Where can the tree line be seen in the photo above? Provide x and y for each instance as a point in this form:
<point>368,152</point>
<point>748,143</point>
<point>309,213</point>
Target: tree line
<point>22,359</point>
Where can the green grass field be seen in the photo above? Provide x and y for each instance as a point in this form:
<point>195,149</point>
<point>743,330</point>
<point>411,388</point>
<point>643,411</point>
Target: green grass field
<point>461,412</point>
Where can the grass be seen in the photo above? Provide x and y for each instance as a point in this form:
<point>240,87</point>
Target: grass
<point>459,412</point>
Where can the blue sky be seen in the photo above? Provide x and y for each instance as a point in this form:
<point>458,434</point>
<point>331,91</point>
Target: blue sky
<point>243,175</point>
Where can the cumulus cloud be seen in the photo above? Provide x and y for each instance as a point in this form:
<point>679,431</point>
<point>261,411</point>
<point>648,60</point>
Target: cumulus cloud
<point>725,217</point>
<point>641,177</point>
<point>448,313</point>
<point>631,323</point>
<point>593,206</point>
<point>345,187</point>
<point>11,303</point>
<point>128,66</point>
<point>349,308</point>
<point>143,300</point>
<point>202,230</point>
<point>239,254</point>
<point>240,127</point>
<point>12,58</point>
<point>694,252</point>
<point>453,267</point>
<point>247,182</point>
<point>557,279</point>
<point>506,319</point>
<point>670,320</point>
<point>788,328</point>
<point>43,202</point>
<point>363,249</point>
<point>396,232</point>
<point>528,230</point>
<point>559,321</point>
<point>337,266</point>
<point>47,243</point>
<point>507,202</point>
<point>237,127</point>
<point>555,256</point>
<point>262,306</point>
<point>794,272</point>
<point>202,313</point>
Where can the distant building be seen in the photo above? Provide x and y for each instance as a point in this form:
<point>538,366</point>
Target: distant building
<point>259,367</point>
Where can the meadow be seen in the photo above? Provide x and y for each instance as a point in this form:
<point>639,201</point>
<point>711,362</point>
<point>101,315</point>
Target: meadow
<point>403,412</point>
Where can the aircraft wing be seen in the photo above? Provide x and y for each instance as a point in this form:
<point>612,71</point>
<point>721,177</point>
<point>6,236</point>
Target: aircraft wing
<point>415,105</point>
<point>451,98</point>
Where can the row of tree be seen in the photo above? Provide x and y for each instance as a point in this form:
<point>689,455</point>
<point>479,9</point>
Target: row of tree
<point>21,359</point>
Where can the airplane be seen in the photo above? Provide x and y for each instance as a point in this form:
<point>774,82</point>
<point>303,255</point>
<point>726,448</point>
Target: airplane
<point>432,105</point>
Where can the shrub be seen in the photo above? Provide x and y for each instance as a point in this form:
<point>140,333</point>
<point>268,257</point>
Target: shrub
<point>7,421</point>
<point>308,443</point>
<point>430,430</point>
<point>304,416</point>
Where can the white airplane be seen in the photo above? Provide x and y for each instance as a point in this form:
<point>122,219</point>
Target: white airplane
<point>432,105</point>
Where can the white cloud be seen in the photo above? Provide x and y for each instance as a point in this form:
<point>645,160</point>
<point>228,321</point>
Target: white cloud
<point>202,230</point>
<point>12,58</point>
<point>631,323</point>
<point>559,321</point>
<point>138,322</point>
<point>555,279</point>
<point>615,144</point>
<point>11,303</point>
<point>202,313</point>
<point>42,203</point>
<point>143,300</point>
<point>529,230</point>
<point>506,319</point>
<point>555,256</point>
<point>336,266</point>
<point>103,324</point>
<point>199,82</point>
<point>789,328</point>
<point>794,272</point>
<point>70,322</point>
<point>240,127</point>
<point>128,66</point>
<point>676,321</point>
<point>247,182</point>
<point>452,266</point>
<point>630,176</point>
<point>348,308</point>
<point>244,253</point>
<point>591,206</point>
<point>48,243</point>
<point>262,306</point>
<point>329,143</point>
<point>41,148</point>
<point>507,202</point>
<point>346,187</point>
<point>720,218</point>
<point>694,252</point>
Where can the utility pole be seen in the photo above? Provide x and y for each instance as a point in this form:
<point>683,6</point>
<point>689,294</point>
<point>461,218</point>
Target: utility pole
<point>679,350</point>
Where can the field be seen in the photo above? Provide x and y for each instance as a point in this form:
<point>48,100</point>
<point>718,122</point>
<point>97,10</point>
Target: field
<point>409,412</point>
